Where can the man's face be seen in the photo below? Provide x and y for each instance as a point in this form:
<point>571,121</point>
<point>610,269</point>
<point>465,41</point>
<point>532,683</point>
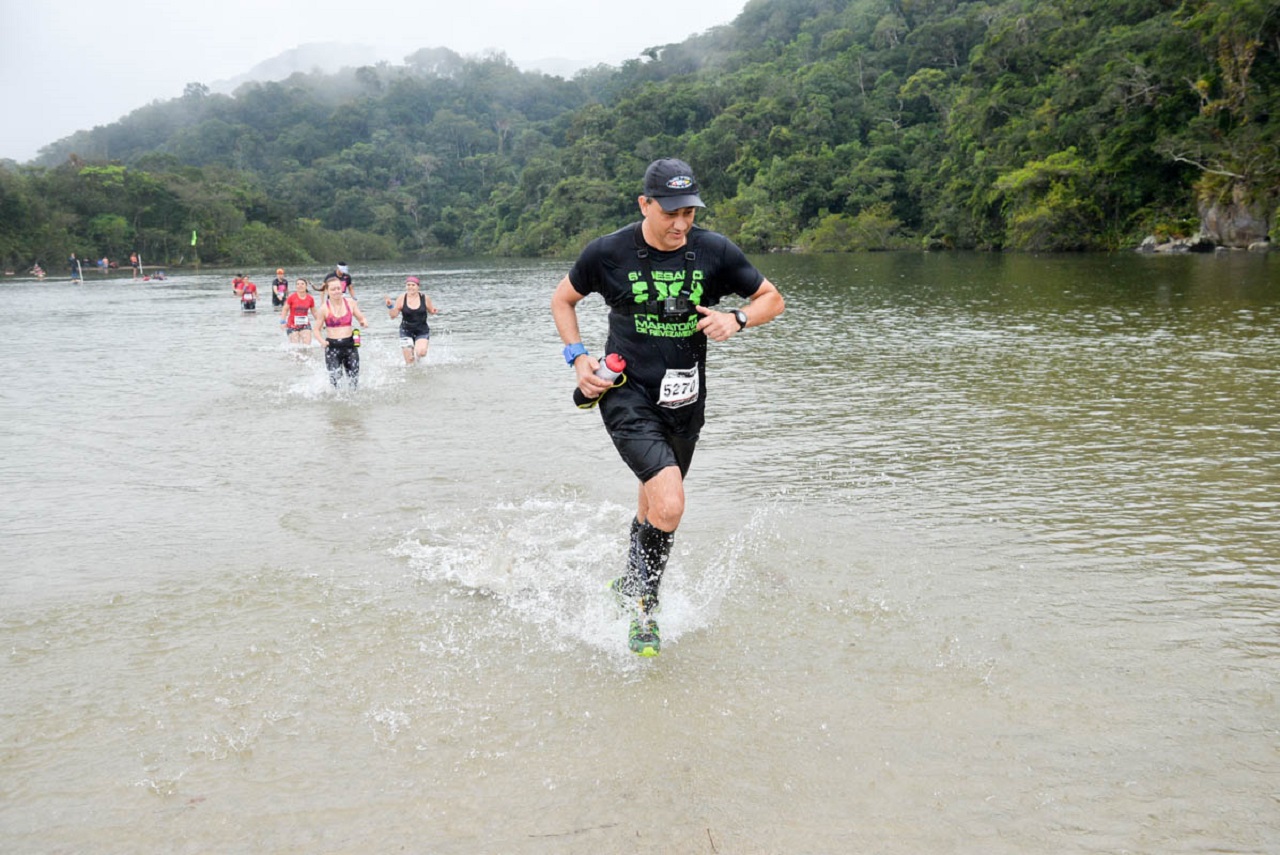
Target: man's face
<point>666,230</point>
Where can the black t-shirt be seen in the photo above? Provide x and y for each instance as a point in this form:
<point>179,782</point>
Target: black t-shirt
<point>653,325</point>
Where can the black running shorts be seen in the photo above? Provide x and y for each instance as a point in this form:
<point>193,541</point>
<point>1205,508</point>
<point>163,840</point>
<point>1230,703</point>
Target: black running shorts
<point>650,438</point>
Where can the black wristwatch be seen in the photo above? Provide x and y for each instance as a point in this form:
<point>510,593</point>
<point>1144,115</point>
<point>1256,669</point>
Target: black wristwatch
<point>741,317</point>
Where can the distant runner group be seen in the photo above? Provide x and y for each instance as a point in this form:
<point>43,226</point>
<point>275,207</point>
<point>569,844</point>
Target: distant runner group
<point>332,320</point>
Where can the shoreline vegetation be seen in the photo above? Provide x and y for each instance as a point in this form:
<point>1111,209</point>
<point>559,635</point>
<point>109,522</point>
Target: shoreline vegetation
<point>1197,245</point>
<point>816,126</point>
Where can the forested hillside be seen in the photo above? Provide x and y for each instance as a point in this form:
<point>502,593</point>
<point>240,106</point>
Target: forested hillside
<point>818,125</point>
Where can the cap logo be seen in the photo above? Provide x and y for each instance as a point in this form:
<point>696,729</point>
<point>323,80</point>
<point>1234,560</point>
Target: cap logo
<point>680,182</point>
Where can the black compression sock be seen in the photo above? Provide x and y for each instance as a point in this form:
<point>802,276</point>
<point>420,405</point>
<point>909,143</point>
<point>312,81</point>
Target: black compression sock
<point>655,549</point>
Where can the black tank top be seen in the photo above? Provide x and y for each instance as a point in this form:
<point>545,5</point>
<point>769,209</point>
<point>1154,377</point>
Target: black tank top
<point>414,317</point>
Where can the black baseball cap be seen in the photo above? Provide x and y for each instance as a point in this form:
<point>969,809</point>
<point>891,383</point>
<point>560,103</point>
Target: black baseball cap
<point>671,182</point>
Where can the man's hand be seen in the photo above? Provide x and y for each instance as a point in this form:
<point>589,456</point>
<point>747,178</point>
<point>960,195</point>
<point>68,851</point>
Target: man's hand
<point>588,383</point>
<point>718,326</point>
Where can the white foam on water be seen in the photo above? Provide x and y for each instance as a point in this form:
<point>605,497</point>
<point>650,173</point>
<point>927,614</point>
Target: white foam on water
<point>382,367</point>
<point>547,561</point>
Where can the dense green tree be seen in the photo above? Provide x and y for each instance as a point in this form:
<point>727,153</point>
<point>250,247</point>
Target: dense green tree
<point>817,124</point>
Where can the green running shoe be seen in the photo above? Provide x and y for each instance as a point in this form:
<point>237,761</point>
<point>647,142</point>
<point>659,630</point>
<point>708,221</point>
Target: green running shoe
<point>631,602</point>
<point>643,637</point>
<point>619,588</point>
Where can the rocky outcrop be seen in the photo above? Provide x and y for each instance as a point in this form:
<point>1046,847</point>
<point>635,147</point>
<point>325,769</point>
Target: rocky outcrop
<point>1236,219</point>
<point>1199,243</point>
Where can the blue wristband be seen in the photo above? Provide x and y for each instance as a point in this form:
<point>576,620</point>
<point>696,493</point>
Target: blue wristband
<point>573,351</point>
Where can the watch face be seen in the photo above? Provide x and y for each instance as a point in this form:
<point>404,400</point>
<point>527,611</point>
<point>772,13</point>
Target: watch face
<point>742,318</point>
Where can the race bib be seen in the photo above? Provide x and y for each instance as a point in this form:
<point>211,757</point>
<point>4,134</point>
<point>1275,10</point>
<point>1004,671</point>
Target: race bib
<point>405,341</point>
<point>299,320</point>
<point>679,387</point>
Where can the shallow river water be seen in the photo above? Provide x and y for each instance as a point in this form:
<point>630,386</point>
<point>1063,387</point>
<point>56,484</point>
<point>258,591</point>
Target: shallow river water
<point>981,556</point>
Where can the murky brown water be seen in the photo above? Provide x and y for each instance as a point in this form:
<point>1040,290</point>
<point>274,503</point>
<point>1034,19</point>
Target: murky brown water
<point>980,557</point>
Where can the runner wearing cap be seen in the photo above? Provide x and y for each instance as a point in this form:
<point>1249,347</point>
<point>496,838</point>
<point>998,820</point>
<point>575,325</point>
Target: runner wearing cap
<point>412,307</point>
<point>279,288</point>
<point>659,277</point>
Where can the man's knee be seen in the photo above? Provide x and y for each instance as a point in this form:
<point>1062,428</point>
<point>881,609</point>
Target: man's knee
<point>665,495</point>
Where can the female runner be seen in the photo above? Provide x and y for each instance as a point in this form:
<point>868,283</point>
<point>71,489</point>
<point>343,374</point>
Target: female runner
<point>412,307</point>
<point>299,309</point>
<point>336,331</point>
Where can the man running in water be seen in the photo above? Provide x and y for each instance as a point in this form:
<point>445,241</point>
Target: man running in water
<point>659,278</point>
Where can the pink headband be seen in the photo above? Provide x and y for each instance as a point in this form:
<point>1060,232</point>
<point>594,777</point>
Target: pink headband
<point>412,280</point>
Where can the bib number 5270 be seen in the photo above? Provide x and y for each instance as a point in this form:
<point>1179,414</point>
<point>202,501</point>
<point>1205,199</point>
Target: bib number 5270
<point>679,387</point>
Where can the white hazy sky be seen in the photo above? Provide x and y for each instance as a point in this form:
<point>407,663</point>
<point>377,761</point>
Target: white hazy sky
<point>68,65</point>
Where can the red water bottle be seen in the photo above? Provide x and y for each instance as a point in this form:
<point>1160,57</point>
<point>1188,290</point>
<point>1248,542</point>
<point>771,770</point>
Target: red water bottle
<point>611,368</point>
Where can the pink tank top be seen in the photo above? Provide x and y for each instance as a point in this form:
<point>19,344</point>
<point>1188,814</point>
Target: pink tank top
<point>331,321</point>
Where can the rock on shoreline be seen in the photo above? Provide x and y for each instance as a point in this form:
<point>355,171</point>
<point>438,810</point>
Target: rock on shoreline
<point>1198,243</point>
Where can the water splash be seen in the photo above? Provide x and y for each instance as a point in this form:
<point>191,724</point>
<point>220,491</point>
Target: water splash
<point>546,561</point>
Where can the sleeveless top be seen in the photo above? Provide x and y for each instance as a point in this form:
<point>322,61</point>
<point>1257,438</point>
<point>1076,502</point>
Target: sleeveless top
<point>340,321</point>
<point>414,318</point>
